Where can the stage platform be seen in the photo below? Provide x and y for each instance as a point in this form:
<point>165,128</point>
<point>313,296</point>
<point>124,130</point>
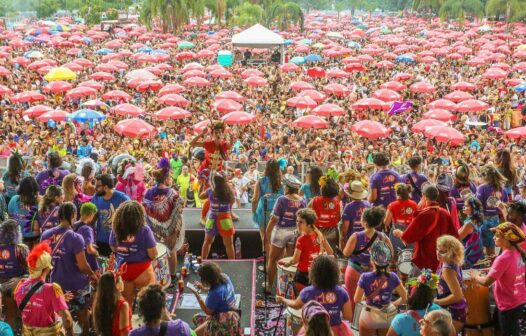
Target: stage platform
<point>245,230</point>
<point>243,276</point>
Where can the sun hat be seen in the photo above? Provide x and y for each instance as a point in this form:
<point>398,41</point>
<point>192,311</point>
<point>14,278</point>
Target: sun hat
<point>357,191</point>
<point>311,309</point>
<point>291,181</point>
<point>381,254</point>
<point>510,232</point>
<point>444,182</point>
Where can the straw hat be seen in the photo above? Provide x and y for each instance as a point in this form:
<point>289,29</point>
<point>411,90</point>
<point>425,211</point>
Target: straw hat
<point>357,191</point>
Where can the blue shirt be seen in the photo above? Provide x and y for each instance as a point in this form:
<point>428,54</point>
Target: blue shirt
<point>405,325</point>
<point>307,192</point>
<point>22,215</point>
<point>84,151</point>
<point>5,329</point>
<point>221,298</point>
<point>106,211</point>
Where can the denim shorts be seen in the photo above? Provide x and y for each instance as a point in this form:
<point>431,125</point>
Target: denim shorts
<point>281,237</point>
<point>487,235</point>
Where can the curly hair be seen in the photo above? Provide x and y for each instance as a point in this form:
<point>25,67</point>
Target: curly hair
<point>151,300</point>
<point>49,199</point>
<point>454,248</point>
<point>324,273</point>
<point>381,159</point>
<point>9,232</point>
<point>374,217</point>
<point>128,220</point>
<point>330,189</point>
<point>211,274</point>
<point>308,215</point>
<point>421,297</point>
<point>273,173</point>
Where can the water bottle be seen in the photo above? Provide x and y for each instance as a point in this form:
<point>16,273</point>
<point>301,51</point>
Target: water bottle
<point>237,247</point>
<point>187,263</point>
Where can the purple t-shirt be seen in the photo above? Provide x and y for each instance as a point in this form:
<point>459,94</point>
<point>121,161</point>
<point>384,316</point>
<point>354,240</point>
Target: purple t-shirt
<point>86,232</point>
<point>364,258</point>
<point>369,282</point>
<point>50,177</point>
<point>331,300</point>
<point>10,256</point>
<point>216,206</point>
<point>175,327</point>
<point>418,180</point>
<point>455,193</point>
<point>353,213</point>
<point>134,249</point>
<point>285,209</point>
<point>485,191</point>
<point>47,220</point>
<point>443,288</point>
<point>65,244</point>
<point>383,181</point>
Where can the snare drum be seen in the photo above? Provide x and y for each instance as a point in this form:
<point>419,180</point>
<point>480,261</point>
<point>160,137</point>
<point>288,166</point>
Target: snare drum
<point>293,321</point>
<point>405,264</point>
<point>161,268</point>
<point>356,317</point>
<point>285,285</point>
<point>477,297</point>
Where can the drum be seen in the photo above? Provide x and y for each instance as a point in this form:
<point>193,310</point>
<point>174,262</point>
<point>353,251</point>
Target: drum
<point>342,265</point>
<point>293,321</point>
<point>477,298</point>
<point>285,285</point>
<point>405,265</point>
<point>161,268</point>
<point>356,317</point>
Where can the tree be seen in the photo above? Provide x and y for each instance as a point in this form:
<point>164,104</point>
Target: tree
<point>429,6</point>
<point>247,14</point>
<point>6,8</point>
<point>513,10</point>
<point>45,8</point>
<point>461,9</point>
<point>91,11</point>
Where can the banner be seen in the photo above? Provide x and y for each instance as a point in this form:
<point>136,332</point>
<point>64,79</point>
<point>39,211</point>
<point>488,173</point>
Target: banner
<point>400,107</point>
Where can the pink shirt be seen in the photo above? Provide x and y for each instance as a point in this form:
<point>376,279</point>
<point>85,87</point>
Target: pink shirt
<point>43,305</point>
<point>509,288</point>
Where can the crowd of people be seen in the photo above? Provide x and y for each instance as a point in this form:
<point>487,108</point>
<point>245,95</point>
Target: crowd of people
<point>414,219</point>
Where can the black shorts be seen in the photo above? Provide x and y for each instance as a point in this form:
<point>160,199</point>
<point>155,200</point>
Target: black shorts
<point>104,249</point>
<point>511,322</point>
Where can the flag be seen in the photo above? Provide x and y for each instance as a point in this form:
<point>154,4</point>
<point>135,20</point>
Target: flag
<point>400,107</point>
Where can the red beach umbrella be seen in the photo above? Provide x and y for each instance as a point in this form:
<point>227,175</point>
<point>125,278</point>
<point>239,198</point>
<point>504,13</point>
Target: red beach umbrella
<point>310,121</point>
<point>238,118</point>
<point>135,128</point>
<point>370,129</point>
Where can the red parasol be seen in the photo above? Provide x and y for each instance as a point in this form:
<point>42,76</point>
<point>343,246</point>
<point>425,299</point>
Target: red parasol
<point>336,89</point>
<point>127,109</point>
<point>28,97</point>
<point>422,87</point>
<point>495,73</point>
<point>422,125</point>
<point>471,105</point>
<point>442,104</point>
<point>370,129</point>
<point>252,73</point>
<point>458,96</point>
<point>4,90</point>
<point>201,126</point>
<point>393,85</point>
<point>221,73</point>
<point>438,114</point>
<point>386,95</point>
<point>317,96</point>
<point>232,95</point>
<point>256,81</point>
<point>171,88</point>
<point>149,85</point>
<point>310,121</point>
<point>103,76</point>
<point>299,86</point>
<point>289,67</point>
<point>55,115</point>
<point>36,111</point>
<point>351,67</point>
<point>337,73</point>
<point>316,72</point>
<point>116,95</point>
<point>516,133</point>
<point>135,128</point>
<point>238,118</point>
<point>301,102</point>
<point>92,84</point>
<point>172,113</point>
<point>173,99</point>
<point>370,103</point>
<point>80,92</point>
<point>57,86</point>
<point>328,110</point>
<point>196,81</point>
<point>227,105</point>
<point>445,134</point>
<point>464,86</point>
<point>402,76</point>
<point>194,73</point>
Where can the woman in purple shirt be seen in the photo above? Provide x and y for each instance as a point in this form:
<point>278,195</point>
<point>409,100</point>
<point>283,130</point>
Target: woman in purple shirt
<point>13,266</point>
<point>70,267</point>
<point>352,213</point>
<point>47,215</point>
<point>490,193</point>
<point>382,183</point>
<point>134,246</point>
<point>53,175</point>
<point>450,253</point>
<point>219,221</point>
<point>377,289</point>
<point>157,321</point>
<point>324,275</point>
<point>282,226</point>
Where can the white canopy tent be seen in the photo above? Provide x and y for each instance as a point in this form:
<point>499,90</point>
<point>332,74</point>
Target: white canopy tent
<point>258,36</point>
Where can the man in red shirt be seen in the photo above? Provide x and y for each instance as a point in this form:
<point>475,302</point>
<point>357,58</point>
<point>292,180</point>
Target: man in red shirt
<point>429,223</point>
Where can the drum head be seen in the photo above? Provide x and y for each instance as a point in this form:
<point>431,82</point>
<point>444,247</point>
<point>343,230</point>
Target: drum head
<point>294,312</point>
<point>161,250</point>
<point>290,269</point>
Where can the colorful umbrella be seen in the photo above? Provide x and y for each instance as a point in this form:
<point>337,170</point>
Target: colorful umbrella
<point>370,103</point>
<point>422,87</point>
<point>317,96</point>
<point>301,102</point>
<point>173,99</point>
<point>103,76</point>
<point>232,95</point>
<point>299,86</point>
<point>386,95</point>
<point>393,85</point>
<point>116,95</point>
<point>36,111</point>
<point>80,92</point>
<point>442,104</point>
<point>516,133</point>
<point>28,97</point>
<point>171,88</point>
<point>336,89</point>
<point>464,86</point>
<point>60,73</point>
<point>422,125</point>
<point>238,118</point>
<point>495,73</point>
<point>57,86</point>
<point>135,128</point>
<point>227,105</point>
<point>310,121</point>
<point>196,81</point>
<point>316,72</point>
<point>86,115</point>
<point>458,96</point>
<point>256,81</point>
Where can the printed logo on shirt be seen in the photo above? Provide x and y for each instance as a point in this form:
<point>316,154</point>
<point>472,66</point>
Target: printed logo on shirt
<point>326,298</point>
<point>5,254</point>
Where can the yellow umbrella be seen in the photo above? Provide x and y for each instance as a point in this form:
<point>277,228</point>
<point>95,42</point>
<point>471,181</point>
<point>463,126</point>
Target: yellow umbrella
<point>56,74</point>
<point>522,47</point>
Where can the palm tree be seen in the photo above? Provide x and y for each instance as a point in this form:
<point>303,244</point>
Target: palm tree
<point>173,14</point>
<point>460,9</point>
<point>247,14</point>
<point>514,10</point>
<point>430,6</point>
<point>283,13</point>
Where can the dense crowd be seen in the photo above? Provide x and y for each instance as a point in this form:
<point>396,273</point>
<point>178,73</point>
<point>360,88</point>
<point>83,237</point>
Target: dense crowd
<point>87,211</point>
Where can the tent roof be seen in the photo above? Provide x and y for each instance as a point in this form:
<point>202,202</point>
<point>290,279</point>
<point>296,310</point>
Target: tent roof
<point>257,36</point>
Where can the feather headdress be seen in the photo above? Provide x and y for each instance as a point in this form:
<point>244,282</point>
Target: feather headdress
<point>39,259</point>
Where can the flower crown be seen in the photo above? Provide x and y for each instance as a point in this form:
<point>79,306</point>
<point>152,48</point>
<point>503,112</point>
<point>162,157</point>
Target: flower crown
<point>331,173</point>
<point>427,278</point>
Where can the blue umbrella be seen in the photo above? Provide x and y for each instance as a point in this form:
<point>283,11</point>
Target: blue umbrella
<point>297,60</point>
<point>29,38</point>
<point>104,51</point>
<point>289,42</point>
<point>86,115</point>
<point>521,87</point>
<point>86,40</point>
<point>211,32</point>
<point>159,51</point>
<point>404,58</point>
<point>355,45</point>
<point>145,49</point>
<point>313,58</point>
<point>306,41</point>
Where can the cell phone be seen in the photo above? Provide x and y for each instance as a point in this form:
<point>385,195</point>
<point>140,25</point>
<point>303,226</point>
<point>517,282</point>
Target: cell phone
<point>191,286</point>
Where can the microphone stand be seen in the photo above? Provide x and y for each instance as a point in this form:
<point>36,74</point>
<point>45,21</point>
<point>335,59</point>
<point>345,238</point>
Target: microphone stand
<point>265,298</point>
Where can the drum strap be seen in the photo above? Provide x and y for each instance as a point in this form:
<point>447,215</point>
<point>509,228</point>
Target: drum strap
<point>29,294</point>
<point>369,244</point>
<point>480,326</point>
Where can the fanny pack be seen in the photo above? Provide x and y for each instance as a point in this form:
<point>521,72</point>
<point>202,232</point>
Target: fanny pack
<point>387,313</point>
<point>53,330</point>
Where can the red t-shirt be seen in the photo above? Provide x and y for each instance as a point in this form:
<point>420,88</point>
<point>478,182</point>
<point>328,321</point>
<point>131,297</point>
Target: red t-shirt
<point>210,148</point>
<point>310,248</point>
<point>327,210</point>
<point>403,211</point>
